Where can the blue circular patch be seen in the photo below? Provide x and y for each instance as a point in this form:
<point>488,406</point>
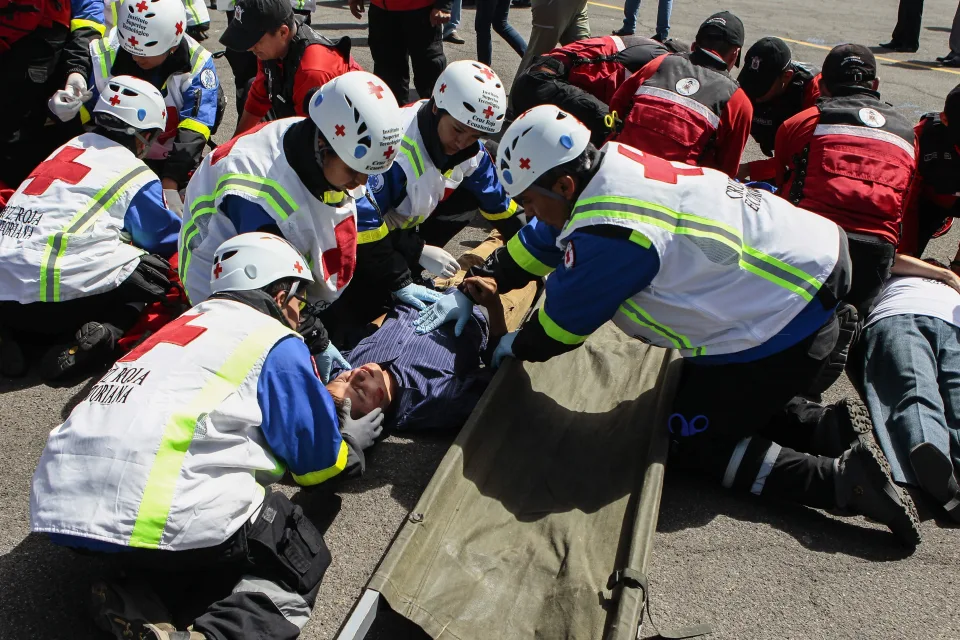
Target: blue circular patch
<point>318,99</point>
<point>141,114</point>
<point>566,141</point>
<point>507,177</point>
<point>360,151</point>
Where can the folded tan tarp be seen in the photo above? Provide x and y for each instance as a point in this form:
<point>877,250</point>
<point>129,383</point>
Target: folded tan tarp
<point>552,485</point>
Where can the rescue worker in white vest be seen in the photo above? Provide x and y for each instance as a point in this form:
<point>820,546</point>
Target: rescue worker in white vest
<point>298,178</point>
<point>180,439</point>
<point>742,283</point>
<point>442,176</point>
<point>149,43</point>
<point>76,239</point>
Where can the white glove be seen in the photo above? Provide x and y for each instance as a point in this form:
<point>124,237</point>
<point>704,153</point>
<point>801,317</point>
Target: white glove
<point>64,105</point>
<point>174,203</point>
<point>77,86</point>
<point>438,262</point>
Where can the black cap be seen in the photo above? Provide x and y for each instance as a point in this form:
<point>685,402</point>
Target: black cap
<point>723,25</point>
<point>764,62</point>
<point>253,19</point>
<point>848,64</point>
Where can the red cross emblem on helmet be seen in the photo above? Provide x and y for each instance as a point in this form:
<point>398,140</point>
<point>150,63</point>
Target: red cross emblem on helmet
<point>488,112</point>
<point>524,163</point>
<point>488,73</point>
<point>114,100</point>
<point>142,6</point>
<point>133,41</point>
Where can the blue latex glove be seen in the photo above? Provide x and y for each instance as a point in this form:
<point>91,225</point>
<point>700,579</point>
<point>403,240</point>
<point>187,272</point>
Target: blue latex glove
<point>448,308</point>
<point>415,295</point>
<point>765,186</point>
<point>326,360</point>
<point>504,349</point>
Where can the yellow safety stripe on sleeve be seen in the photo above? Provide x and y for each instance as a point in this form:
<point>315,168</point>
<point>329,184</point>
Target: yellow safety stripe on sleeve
<point>365,237</point>
<point>411,149</point>
<point>178,434</point>
<point>195,125</point>
<point>637,314</point>
<point>638,238</point>
<point>557,332</point>
<point>84,114</point>
<point>503,215</point>
<point>526,260</point>
<point>414,221</point>
<point>113,13</point>
<point>57,243</point>
<point>316,477</point>
<point>80,23</point>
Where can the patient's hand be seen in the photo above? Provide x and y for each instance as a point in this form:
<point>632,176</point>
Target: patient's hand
<point>484,292</point>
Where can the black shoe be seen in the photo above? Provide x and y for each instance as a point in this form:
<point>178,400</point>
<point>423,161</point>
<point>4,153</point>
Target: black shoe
<point>934,472</point>
<point>128,609</point>
<point>899,48</point>
<point>12,362</point>
<point>863,486</point>
<point>949,56</point>
<point>952,62</point>
<point>623,32</point>
<point>94,343</point>
<point>520,4</point>
<point>454,38</point>
<point>842,426</point>
<point>658,38</point>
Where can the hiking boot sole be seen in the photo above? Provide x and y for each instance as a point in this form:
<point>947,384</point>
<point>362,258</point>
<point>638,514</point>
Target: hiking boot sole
<point>934,472</point>
<point>859,423</point>
<point>906,526</point>
<point>59,362</point>
<point>109,609</point>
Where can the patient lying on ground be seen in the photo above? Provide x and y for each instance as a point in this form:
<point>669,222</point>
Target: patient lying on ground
<point>429,381</point>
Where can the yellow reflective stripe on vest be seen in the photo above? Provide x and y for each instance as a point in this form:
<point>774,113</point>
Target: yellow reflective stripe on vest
<point>412,222</point>
<point>373,235</point>
<point>179,431</point>
<point>316,477</point>
<point>751,259</point>
<point>557,332</point>
<point>79,23</point>
<point>106,55</point>
<point>503,215</point>
<point>526,260</point>
<point>193,10</point>
<point>57,243</point>
<point>411,149</point>
<point>197,59</point>
<point>634,312</point>
<point>195,125</point>
<point>84,115</point>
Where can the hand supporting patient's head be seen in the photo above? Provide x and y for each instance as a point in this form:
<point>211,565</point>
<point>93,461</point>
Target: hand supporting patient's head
<point>368,387</point>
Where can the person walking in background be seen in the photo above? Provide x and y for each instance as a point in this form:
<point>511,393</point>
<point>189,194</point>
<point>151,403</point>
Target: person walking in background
<point>906,35</point>
<point>554,21</point>
<point>450,29</point>
<point>632,8</point>
<point>952,59</point>
<point>493,13</point>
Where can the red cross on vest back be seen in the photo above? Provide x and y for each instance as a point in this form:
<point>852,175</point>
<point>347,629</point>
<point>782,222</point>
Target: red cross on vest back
<point>656,168</point>
<point>225,148</point>
<point>177,332</point>
<point>342,259</point>
<point>60,167</point>
<point>377,89</point>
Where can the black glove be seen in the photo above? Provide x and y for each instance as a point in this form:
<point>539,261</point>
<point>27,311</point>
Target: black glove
<point>314,333</point>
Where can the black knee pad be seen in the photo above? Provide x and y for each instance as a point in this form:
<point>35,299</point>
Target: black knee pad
<point>836,362</point>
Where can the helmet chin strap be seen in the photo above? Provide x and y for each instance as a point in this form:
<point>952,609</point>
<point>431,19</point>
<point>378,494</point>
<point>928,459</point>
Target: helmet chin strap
<point>551,193</point>
<point>144,141</point>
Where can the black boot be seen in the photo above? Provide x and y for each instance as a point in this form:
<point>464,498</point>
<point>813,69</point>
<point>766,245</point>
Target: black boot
<point>126,608</point>
<point>12,362</point>
<point>934,472</point>
<point>93,345</point>
<point>842,425</point>
<point>863,486</point>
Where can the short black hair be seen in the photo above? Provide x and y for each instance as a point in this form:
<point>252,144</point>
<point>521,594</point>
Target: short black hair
<point>290,22</point>
<point>579,168</point>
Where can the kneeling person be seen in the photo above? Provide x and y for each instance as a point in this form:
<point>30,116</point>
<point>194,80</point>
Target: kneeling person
<point>181,437</point>
<point>76,237</point>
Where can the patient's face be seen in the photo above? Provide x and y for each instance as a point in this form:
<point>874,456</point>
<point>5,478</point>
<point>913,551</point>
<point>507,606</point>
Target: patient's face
<point>367,388</point>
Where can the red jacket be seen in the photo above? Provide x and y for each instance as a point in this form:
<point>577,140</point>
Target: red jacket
<point>20,17</point>
<point>851,159</point>
<point>683,108</point>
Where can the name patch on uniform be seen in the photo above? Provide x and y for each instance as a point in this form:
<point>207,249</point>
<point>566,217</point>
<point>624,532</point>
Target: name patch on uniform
<point>688,86</point>
<point>872,117</point>
<point>208,79</point>
<point>569,255</point>
<point>115,387</point>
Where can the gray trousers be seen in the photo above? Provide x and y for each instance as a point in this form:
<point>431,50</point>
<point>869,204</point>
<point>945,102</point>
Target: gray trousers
<point>554,21</point>
<point>911,384</point>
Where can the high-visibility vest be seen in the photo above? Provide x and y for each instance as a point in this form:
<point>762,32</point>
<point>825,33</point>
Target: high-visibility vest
<point>165,450</point>
<point>60,233</point>
<point>253,166</point>
<point>196,12</point>
<point>736,264</point>
<point>103,54</point>
<point>427,186</point>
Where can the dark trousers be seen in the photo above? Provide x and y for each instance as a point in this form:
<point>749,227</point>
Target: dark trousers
<point>872,260</point>
<point>931,219</point>
<point>907,31</point>
<point>741,424</point>
<point>544,82</point>
<point>243,64</point>
<point>263,581</point>
<point>493,14</point>
<point>397,37</point>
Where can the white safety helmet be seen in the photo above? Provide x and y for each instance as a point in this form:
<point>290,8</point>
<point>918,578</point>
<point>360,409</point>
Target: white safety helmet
<point>150,27</point>
<point>360,119</point>
<point>251,261</point>
<point>539,140</point>
<point>130,105</point>
<point>473,94</point>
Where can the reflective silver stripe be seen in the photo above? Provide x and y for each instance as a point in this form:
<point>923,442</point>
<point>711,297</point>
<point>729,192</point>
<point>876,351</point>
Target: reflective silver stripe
<point>777,272</point>
<point>678,221</point>
<point>950,506</point>
<point>683,101</point>
<point>618,42</point>
<point>773,451</point>
<point>291,604</point>
<point>864,132</point>
<point>278,196</point>
<point>735,459</point>
<point>413,155</point>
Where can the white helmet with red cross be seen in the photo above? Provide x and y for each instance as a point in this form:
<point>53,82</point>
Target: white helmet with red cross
<point>360,119</point>
<point>150,27</point>
<point>251,261</point>
<point>473,94</point>
<point>539,140</point>
<point>130,104</point>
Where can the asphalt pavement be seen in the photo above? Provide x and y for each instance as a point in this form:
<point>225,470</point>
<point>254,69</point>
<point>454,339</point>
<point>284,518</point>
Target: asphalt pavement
<point>751,568</point>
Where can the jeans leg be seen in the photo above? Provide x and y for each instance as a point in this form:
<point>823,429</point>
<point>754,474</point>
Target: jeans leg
<point>482,24</point>
<point>948,357</point>
<point>664,9</point>
<point>505,31</point>
<point>630,10</point>
<point>455,10</point>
